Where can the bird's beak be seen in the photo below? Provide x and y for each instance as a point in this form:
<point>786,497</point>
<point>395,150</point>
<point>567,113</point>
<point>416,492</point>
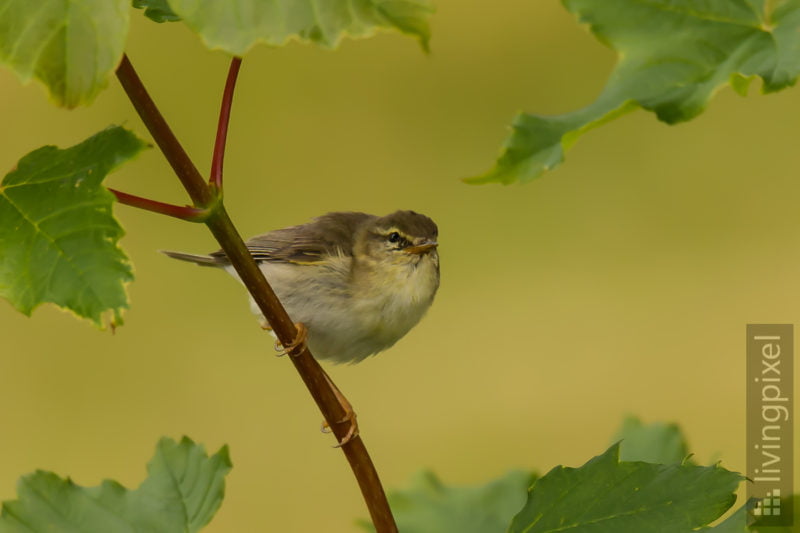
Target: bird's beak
<point>421,248</point>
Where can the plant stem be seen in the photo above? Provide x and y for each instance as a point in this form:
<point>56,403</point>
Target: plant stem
<point>183,212</point>
<point>222,125</point>
<point>231,242</point>
<point>177,157</point>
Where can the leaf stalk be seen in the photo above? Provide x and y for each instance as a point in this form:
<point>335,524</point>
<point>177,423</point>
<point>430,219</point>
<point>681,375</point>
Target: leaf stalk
<point>185,212</point>
<point>215,179</point>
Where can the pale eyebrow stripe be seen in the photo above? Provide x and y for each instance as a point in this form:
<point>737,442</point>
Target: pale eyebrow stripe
<point>393,230</point>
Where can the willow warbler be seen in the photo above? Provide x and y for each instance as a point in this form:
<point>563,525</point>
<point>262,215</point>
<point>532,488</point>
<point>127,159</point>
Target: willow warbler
<point>357,282</point>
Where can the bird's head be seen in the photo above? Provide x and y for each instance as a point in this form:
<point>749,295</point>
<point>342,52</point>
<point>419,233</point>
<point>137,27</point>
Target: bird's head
<point>403,237</point>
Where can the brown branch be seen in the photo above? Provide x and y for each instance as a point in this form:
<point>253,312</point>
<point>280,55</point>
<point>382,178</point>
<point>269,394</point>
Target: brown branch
<point>231,242</point>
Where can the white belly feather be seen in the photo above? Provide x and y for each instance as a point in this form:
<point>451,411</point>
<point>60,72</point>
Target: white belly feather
<point>347,323</point>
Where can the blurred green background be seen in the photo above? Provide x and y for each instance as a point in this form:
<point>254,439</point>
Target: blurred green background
<point>620,283</point>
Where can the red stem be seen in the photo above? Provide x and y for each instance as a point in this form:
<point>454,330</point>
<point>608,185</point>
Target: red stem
<point>186,212</point>
<point>215,179</point>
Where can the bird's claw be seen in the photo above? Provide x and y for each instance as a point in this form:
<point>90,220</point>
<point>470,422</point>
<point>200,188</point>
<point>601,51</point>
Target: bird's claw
<point>349,415</point>
<point>352,432</point>
<point>298,342</point>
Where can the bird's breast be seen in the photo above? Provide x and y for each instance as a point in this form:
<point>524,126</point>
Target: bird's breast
<point>351,317</point>
<point>396,297</point>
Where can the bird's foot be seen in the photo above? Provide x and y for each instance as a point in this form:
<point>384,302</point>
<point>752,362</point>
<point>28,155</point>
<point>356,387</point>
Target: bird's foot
<point>352,431</point>
<point>350,416</point>
<point>297,346</point>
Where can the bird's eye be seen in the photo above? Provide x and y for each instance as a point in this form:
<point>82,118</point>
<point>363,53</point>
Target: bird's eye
<point>394,237</point>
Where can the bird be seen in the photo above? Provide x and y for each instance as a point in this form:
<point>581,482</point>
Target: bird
<point>356,282</point>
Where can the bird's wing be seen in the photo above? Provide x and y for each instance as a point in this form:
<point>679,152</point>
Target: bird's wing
<point>289,245</point>
<point>307,244</point>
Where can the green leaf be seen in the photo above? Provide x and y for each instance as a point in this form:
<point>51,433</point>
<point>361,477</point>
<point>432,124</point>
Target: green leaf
<point>157,10</point>
<point>58,238</point>
<point>236,25</point>
<point>182,492</point>
<point>673,56</point>
<point>72,46</point>
<point>608,495</point>
<point>653,443</point>
<point>429,505</point>
<point>736,523</point>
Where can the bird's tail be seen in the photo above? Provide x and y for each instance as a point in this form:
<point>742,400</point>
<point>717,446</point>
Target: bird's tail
<point>202,260</point>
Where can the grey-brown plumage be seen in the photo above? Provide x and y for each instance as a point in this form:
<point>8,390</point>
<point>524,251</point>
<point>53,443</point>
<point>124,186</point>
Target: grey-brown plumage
<point>358,282</point>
